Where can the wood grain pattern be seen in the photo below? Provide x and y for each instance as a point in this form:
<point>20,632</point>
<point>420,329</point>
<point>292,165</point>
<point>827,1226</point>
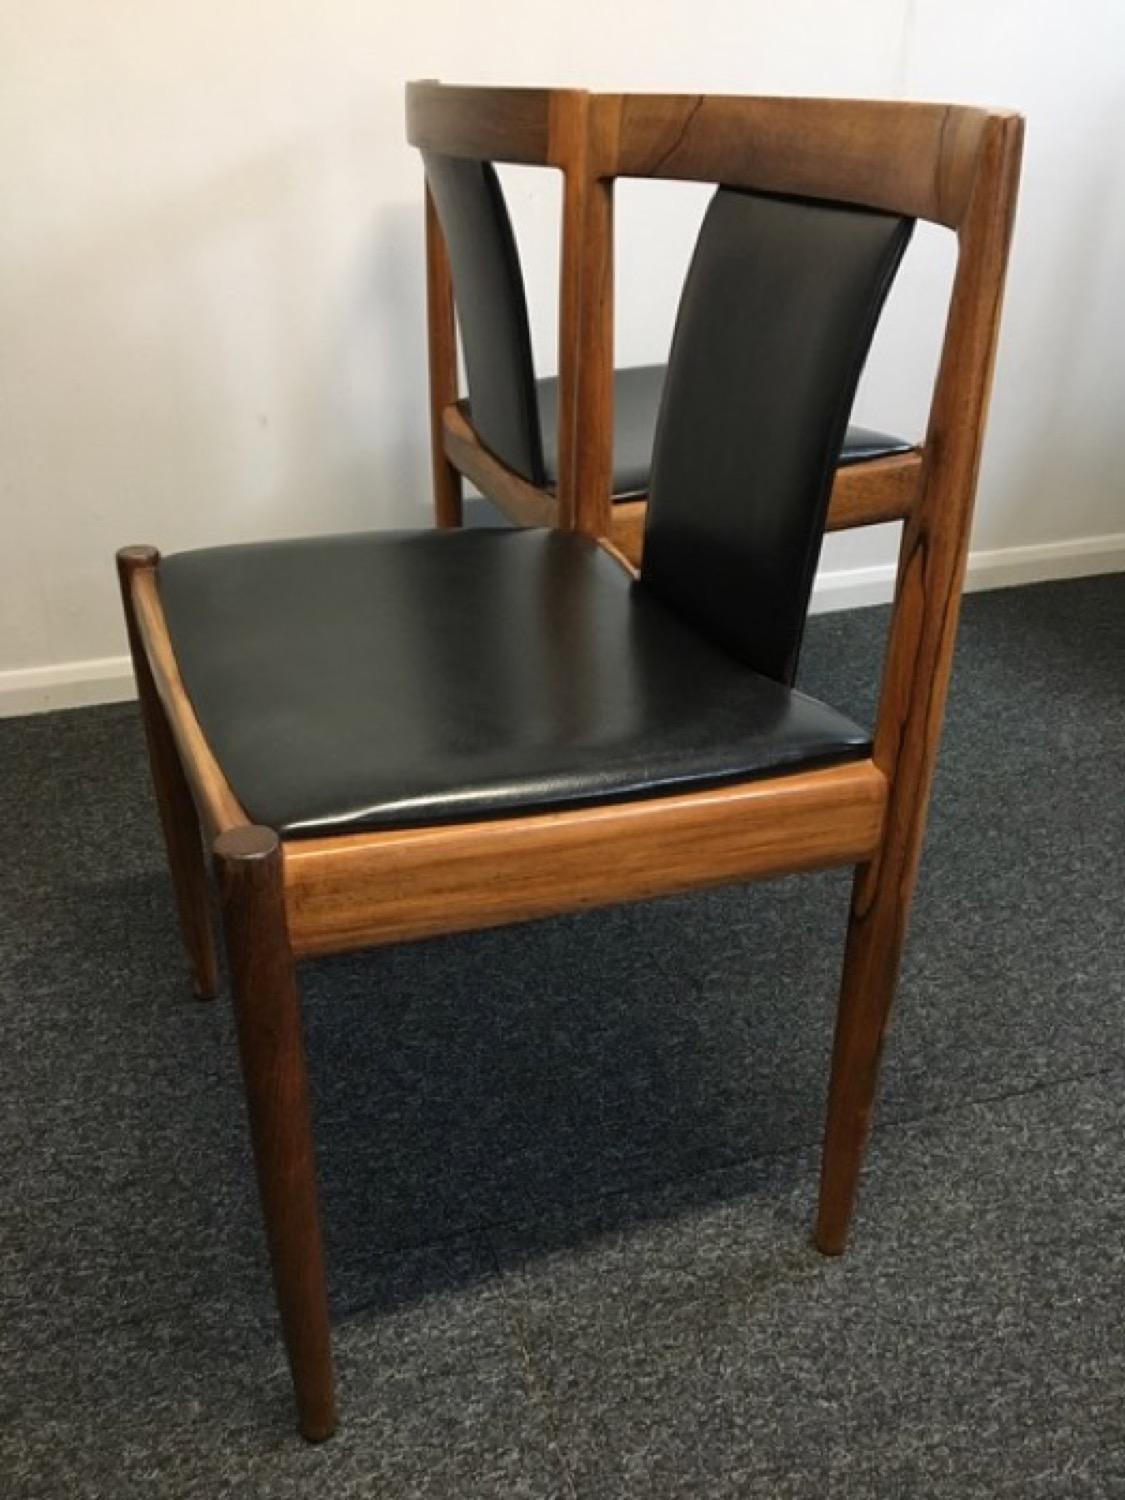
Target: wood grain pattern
<point>520,501</point>
<point>374,888</point>
<point>218,806</point>
<point>916,676</point>
<point>569,144</point>
<point>441,343</point>
<point>179,820</point>
<point>272,1051</point>
<point>917,159</point>
<point>914,159</point>
<point>874,492</point>
<point>591,507</point>
<point>485,124</point>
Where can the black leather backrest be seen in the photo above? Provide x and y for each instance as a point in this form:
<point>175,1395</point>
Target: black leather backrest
<point>777,315</point>
<point>491,309</point>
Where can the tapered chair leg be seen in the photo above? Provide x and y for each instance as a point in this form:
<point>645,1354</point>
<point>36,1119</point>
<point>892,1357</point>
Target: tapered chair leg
<point>876,930</point>
<point>271,1044</point>
<point>448,501</point>
<point>178,817</point>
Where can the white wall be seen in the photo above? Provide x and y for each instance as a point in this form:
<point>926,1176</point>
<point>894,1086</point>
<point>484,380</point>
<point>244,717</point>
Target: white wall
<point>211,302</point>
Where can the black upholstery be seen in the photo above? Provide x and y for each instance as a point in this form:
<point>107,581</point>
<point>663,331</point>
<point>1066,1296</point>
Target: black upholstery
<point>862,444</point>
<point>491,309</point>
<point>636,401</point>
<point>636,404</point>
<point>397,679</point>
<point>777,315</point>
<point>515,416</point>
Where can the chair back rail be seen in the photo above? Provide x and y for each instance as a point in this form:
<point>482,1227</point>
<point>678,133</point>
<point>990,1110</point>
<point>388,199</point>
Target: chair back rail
<point>483,124</point>
<point>917,160</point>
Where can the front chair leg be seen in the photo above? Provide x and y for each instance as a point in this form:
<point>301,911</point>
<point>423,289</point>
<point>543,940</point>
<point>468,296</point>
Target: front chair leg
<point>876,929</point>
<point>178,817</point>
<point>271,1045</point>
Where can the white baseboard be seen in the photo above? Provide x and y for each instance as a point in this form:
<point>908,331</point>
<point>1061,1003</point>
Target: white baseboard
<point>1006,567</point>
<point>68,684</point>
<point>109,679</point>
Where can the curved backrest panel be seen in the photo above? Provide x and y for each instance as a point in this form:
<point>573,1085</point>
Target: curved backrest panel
<point>777,315</point>
<point>491,309</point>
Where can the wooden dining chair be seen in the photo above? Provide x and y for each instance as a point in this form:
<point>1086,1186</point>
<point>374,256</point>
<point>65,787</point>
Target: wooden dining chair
<point>509,436</point>
<point>387,736</point>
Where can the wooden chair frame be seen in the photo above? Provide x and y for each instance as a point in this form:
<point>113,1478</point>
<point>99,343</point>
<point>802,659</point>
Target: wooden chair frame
<point>286,899</point>
<point>552,128</point>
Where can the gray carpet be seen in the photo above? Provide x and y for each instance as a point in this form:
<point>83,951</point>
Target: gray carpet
<point>568,1170</point>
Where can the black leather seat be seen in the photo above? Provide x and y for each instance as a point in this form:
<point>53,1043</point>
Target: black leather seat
<point>406,678</point>
<point>636,403</point>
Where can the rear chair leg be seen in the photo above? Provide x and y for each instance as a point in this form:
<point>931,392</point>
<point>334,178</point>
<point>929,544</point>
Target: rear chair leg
<point>271,1044</point>
<point>448,503</point>
<point>876,930</point>
<point>442,338</point>
<point>178,817</point>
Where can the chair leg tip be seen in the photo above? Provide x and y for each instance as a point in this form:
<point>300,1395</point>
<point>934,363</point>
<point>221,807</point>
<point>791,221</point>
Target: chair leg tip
<point>205,986</point>
<point>318,1431</point>
<point>830,1240</point>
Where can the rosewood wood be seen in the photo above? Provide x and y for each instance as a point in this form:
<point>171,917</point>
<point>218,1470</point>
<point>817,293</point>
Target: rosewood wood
<point>495,124</point>
<point>919,160</point>
<point>916,676</point>
<point>872,493</point>
<point>520,501</point>
<point>593,418</point>
<point>875,492</point>
<point>569,112</point>
<point>218,807</point>
<point>365,889</point>
<point>178,817</point>
<point>442,348</point>
<point>272,1049</point>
